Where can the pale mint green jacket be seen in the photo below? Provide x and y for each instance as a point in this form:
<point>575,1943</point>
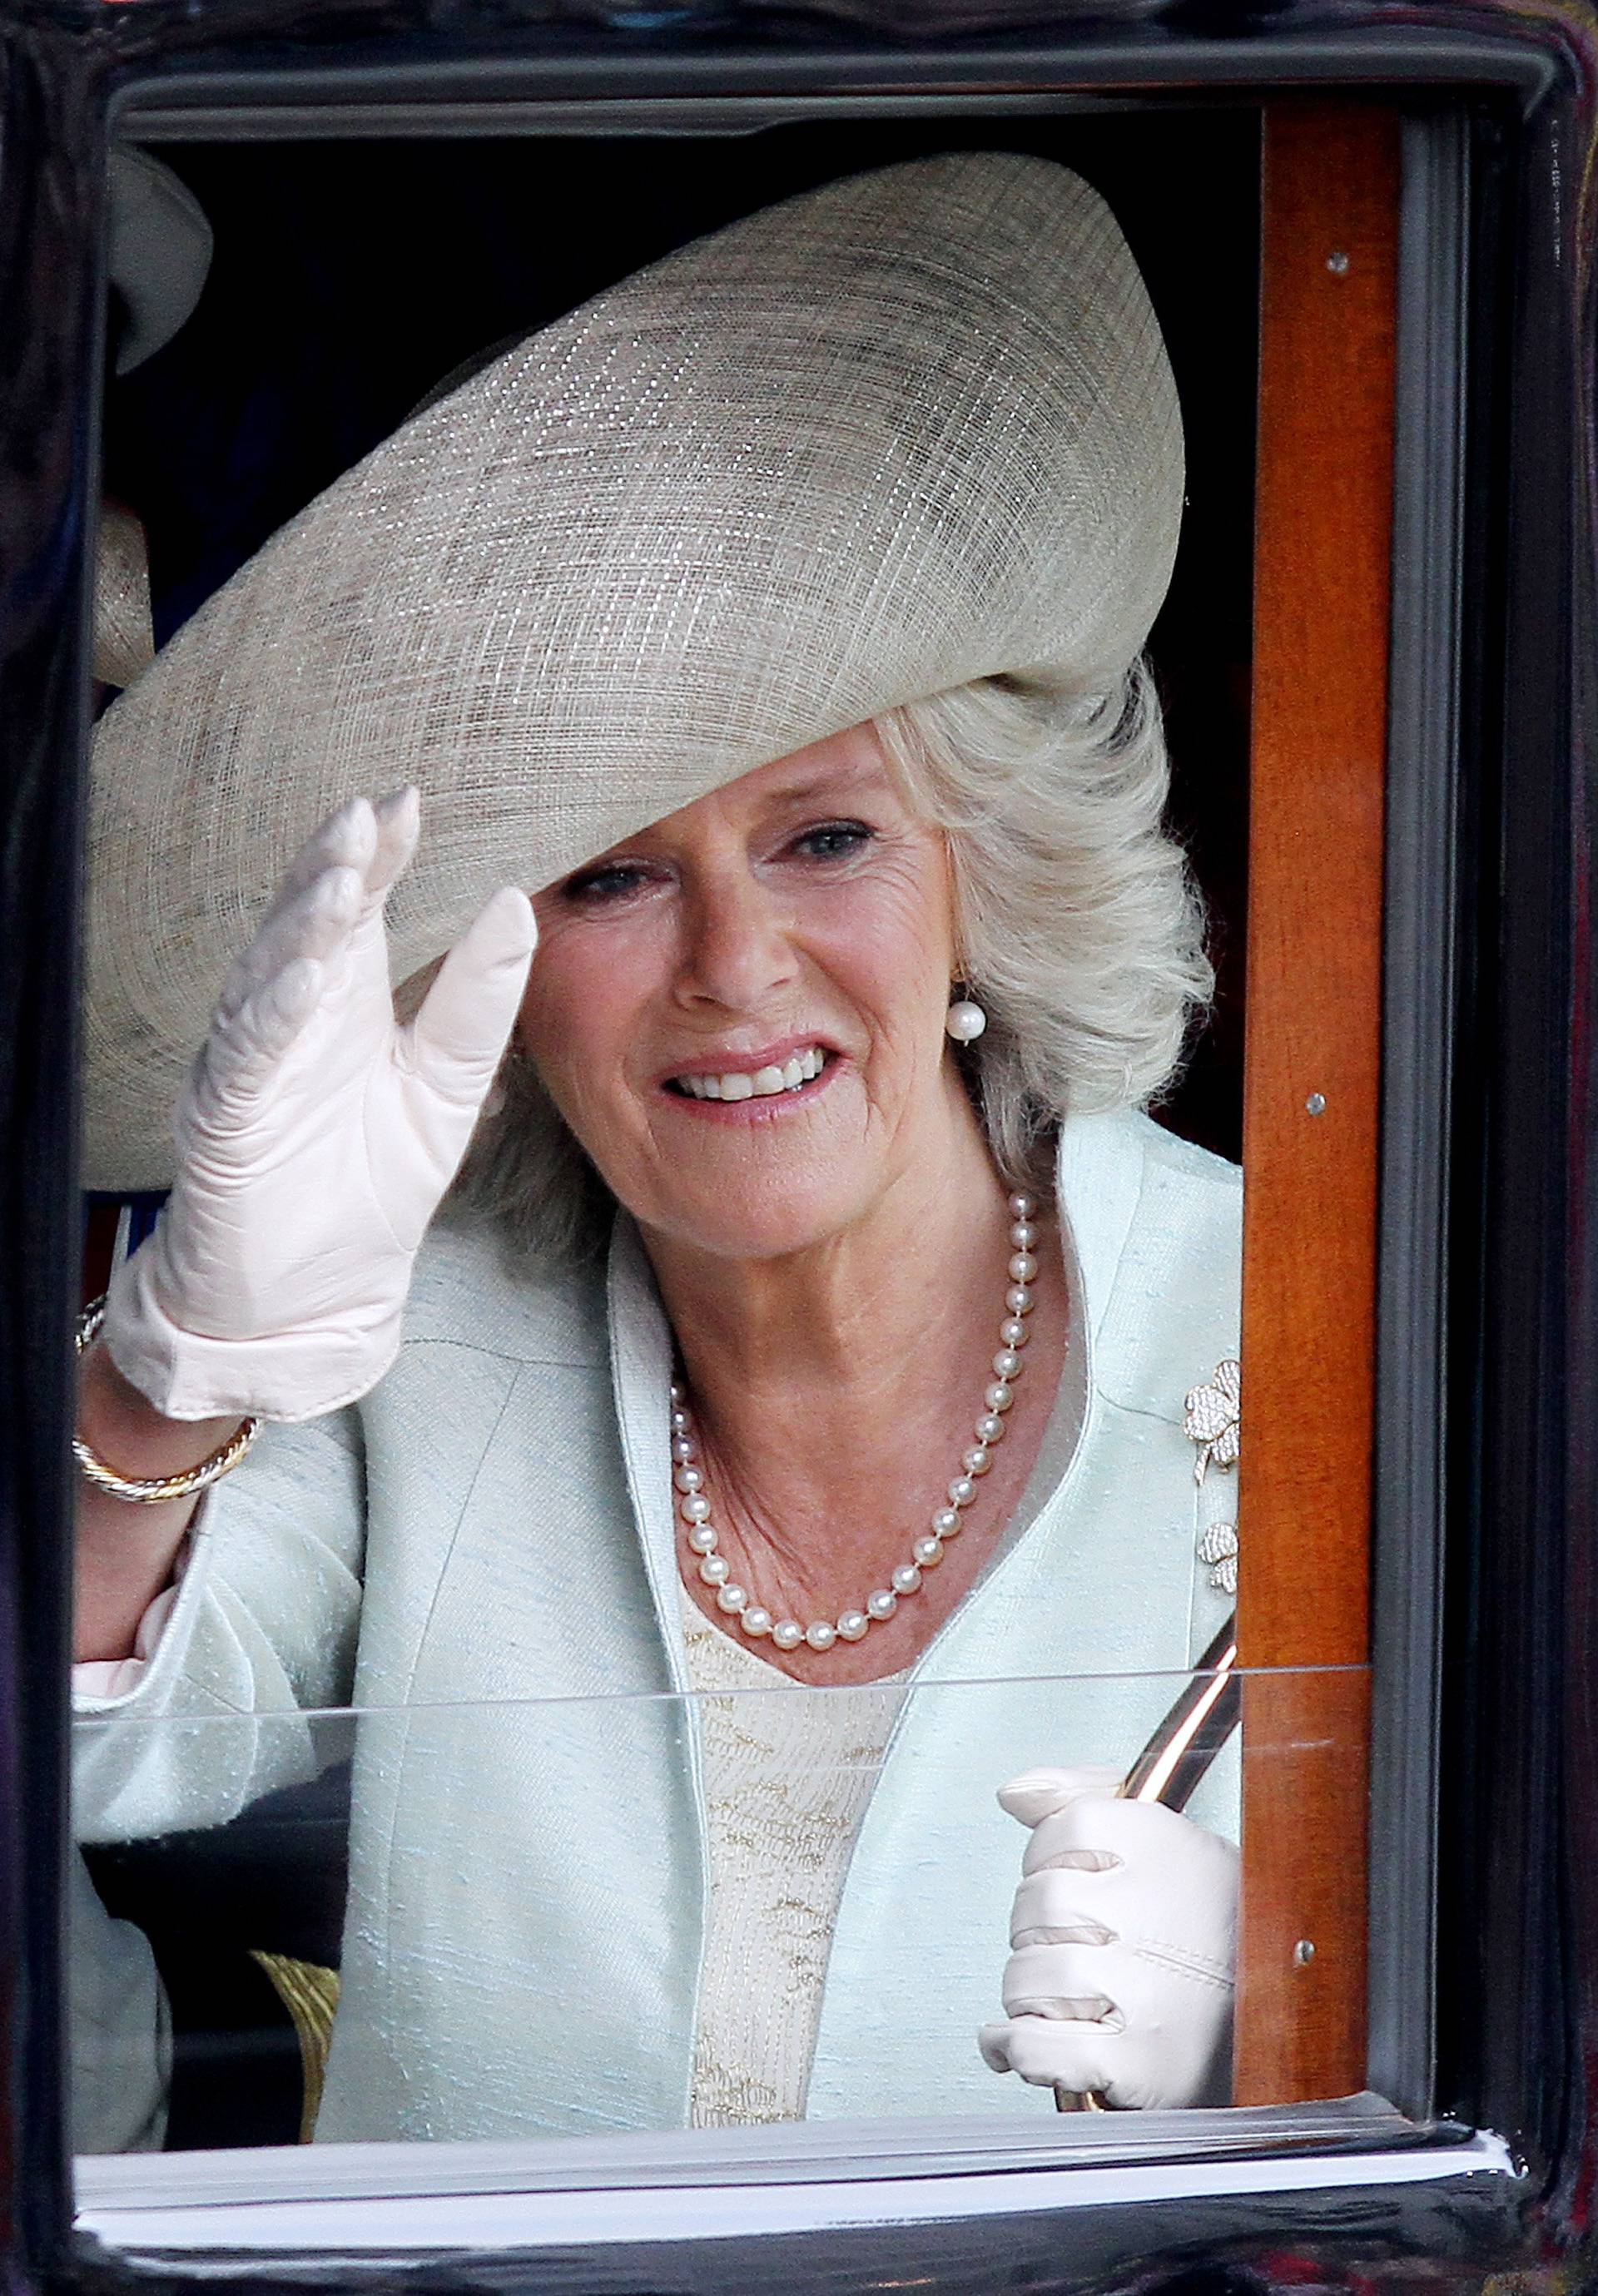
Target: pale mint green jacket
<point>481,1559</point>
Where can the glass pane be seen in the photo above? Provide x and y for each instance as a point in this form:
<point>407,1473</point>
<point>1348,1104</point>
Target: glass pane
<point>587,1918</point>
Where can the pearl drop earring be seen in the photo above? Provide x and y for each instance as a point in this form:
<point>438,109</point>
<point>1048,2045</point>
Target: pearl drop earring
<point>965,1022</point>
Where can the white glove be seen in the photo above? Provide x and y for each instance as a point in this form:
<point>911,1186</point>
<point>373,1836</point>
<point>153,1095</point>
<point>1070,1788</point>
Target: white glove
<point>316,1138</point>
<point>1124,1937</point>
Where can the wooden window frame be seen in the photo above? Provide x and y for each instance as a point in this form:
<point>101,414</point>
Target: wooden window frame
<point>1328,262</point>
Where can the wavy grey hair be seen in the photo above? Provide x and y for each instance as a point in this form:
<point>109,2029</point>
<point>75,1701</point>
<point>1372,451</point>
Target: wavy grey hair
<point>1078,927</point>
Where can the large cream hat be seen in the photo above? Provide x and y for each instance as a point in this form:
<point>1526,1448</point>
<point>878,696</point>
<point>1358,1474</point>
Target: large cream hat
<point>913,429</point>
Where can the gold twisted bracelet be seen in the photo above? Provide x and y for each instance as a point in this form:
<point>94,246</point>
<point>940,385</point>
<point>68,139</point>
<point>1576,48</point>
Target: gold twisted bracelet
<point>152,1491</point>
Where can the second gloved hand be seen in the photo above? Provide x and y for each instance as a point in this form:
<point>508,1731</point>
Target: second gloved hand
<point>316,1139</point>
<point>1123,1938</point>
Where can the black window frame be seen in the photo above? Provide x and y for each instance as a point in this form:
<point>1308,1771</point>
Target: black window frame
<point>1483,1804</point>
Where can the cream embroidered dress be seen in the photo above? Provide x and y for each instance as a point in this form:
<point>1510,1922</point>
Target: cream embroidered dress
<point>788,1773</point>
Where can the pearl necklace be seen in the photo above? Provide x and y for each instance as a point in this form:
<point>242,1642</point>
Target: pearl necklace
<point>852,1625</point>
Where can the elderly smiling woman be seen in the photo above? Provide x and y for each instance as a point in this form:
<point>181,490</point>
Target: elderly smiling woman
<point>797,1305</point>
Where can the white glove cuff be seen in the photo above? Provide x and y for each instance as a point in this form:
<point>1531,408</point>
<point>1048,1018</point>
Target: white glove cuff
<point>287,1375</point>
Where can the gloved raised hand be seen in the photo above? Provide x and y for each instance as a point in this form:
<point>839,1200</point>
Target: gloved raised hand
<point>1122,1938</point>
<point>316,1138</point>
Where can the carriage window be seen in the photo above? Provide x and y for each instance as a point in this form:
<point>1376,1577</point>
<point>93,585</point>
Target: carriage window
<point>755,778</point>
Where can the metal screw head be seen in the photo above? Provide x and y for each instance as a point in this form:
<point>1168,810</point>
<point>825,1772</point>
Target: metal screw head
<point>1315,1105</point>
<point>1304,1953</point>
<point>1336,263</point>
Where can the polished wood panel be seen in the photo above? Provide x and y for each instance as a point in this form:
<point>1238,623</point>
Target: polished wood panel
<point>1302,2026</point>
<point>1323,519</point>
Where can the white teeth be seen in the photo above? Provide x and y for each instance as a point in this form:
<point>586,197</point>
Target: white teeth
<point>738,1084</point>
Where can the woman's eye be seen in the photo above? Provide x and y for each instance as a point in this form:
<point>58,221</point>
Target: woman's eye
<point>613,881</point>
<point>834,840</point>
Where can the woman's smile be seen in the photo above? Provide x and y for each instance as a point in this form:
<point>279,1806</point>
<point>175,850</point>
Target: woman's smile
<point>758,1087</point>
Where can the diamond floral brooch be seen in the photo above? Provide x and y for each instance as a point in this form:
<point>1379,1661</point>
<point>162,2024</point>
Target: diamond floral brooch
<point>1212,1420</point>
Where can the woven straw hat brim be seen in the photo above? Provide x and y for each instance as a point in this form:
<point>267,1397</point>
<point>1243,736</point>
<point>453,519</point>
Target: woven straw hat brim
<point>911,430</point>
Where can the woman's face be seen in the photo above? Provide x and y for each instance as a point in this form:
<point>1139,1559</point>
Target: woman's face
<point>739,1012</point>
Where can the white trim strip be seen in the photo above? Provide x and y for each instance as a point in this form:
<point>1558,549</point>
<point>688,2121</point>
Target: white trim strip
<point>532,2221</point>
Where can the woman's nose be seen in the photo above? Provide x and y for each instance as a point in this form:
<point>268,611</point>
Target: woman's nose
<point>738,944</point>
